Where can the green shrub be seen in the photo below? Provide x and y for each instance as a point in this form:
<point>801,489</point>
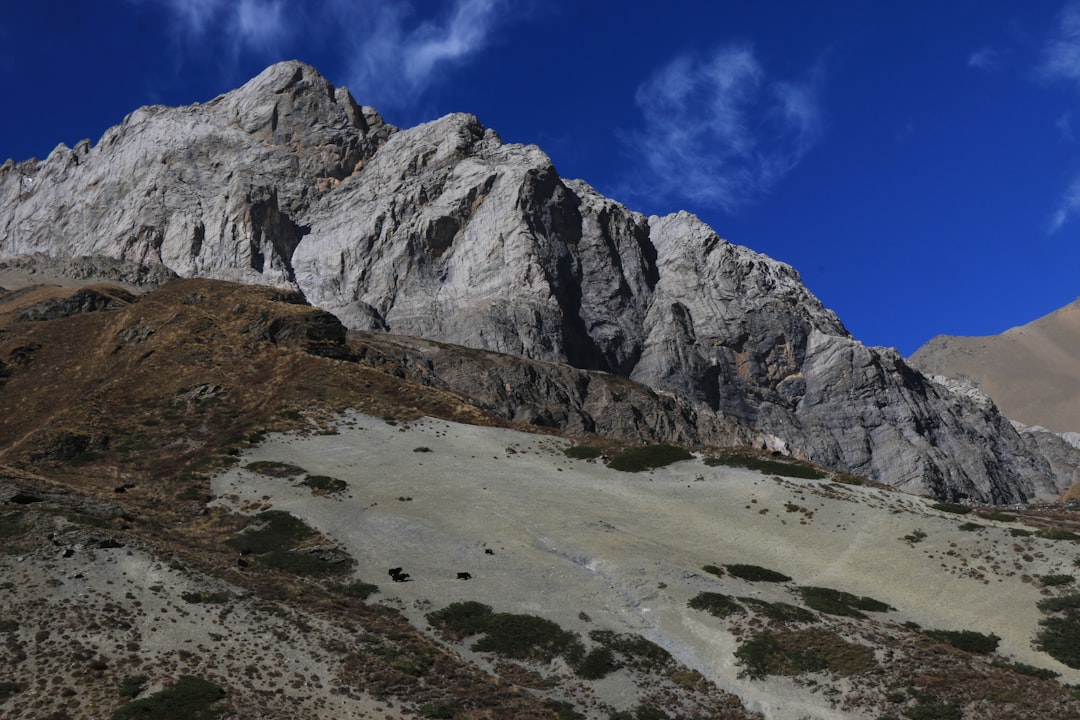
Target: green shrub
<point>324,484</point>
<point>998,516</point>
<point>597,663</point>
<point>755,573</point>
<point>1051,580</point>
<point>191,698</point>
<point>802,651</point>
<point>11,527</point>
<point>132,685</point>
<point>969,526</point>
<point>563,710</point>
<point>935,711</point>
<point>648,458</point>
<point>633,650</point>
<point>1059,634</point>
<point>356,589</point>
<point>197,597</point>
<point>846,478</point>
<point>441,711</point>
<point>967,640</point>
<point>713,569</point>
<point>951,507</point>
<point>915,536</point>
<point>779,611</point>
<point>276,530</point>
<point>526,637</point>
<point>519,637</point>
<point>1018,532</point>
<point>1055,533</point>
<point>1024,669</point>
<point>308,564</point>
<point>583,452</point>
<point>461,619</point>
<point>766,465</point>
<point>716,604</point>
<point>275,469</point>
<point>9,689</point>
<point>837,602</point>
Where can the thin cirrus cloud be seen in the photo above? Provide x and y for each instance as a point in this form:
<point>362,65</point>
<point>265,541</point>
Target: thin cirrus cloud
<point>389,53</point>
<point>1061,62</point>
<point>390,62</point>
<point>984,59</point>
<point>719,131</point>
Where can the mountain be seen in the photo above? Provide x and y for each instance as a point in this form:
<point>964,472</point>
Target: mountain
<point>204,485</point>
<point>443,231</point>
<point>1032,372</point>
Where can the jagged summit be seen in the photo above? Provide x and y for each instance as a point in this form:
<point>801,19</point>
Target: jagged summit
<point>446,232</point>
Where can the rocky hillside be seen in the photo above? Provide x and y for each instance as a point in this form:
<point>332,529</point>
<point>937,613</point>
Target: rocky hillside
<point>202,488</point>
<point>1032,372</point>
<point>445,232</point>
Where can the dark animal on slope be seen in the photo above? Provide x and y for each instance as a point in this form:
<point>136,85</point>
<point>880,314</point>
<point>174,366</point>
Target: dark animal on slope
<point>401,577</point>
<point>464,576</point>
<point>394,571</point>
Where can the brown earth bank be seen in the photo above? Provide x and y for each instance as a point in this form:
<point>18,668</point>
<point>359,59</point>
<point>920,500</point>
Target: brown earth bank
<point>151,446</point>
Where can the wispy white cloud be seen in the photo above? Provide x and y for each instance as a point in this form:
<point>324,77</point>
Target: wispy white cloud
<point>986,58</point>
<point>1064,126</point>
<point>253,23</point>
<point>391,61</point>
<point>719,130</point>
<point>260,22</point>
<point>389,52</point>
<point>1061,55</point>
<point>1068,207</point>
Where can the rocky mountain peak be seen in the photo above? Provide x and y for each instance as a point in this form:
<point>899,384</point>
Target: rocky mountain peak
<point>445,232</point>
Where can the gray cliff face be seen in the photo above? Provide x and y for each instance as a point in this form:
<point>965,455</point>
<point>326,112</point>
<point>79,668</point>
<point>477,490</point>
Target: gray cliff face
<point>214,190</point>
<point>445,232</point>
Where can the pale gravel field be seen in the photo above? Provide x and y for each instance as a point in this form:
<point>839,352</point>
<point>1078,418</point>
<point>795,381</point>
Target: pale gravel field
<point>570,537</point>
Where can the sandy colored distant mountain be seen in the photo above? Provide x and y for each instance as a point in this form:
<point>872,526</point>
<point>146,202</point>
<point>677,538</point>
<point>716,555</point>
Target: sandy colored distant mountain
<point>1032,372</point>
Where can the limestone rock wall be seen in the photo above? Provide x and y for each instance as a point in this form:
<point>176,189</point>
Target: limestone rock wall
<point>445,232</point>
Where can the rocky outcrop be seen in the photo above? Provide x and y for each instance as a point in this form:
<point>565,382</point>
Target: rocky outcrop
<point>445,232</point>
<point>556,395</point>
<point>214,189</point>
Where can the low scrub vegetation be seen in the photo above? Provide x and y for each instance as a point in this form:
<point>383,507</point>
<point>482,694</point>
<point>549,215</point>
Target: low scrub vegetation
<point>518,637</point>
<point>275,469</point>
<point>997,516</point>
<point>969,527</point>
<point>713,570</point>
<point>934,711</point>
<point>1052,580</point>
<point>324,484</point>
<point>1059,633</point>
<point>951,507</point>
<point>802,651</point>
<point>308,564</point>
<point>1025,669</point>
<point>1055,533</point>
<point>357,589</point>
<point>754,573</point>
<point>583,452</point>
<point>779,611</point>
<point>716,604</point>
<point>274,538</point>
<point>966,640</point>
<point>837,602</point>
<point>632,650</point>
<point>190,697</point>
<point>273,530</point>
<point>768,466</point>
<point>648,457</point>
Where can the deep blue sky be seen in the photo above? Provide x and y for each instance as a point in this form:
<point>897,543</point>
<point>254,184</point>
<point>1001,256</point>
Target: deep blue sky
<point>918,163</point>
